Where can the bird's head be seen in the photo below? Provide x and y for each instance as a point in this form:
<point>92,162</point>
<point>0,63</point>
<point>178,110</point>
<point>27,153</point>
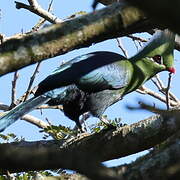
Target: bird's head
<point>159,50</point>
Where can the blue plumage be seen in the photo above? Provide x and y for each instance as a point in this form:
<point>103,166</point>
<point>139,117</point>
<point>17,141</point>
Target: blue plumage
<point>91,72</point>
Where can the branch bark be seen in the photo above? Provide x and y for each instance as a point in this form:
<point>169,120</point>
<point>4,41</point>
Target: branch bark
<point>116,20</point>
<point>177,40</point>
<point>161,163</point>
<point>106,145</point>
<point>162,11</point>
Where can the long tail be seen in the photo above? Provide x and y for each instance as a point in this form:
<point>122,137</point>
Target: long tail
<point>27,106</point>
<point>20,110</point>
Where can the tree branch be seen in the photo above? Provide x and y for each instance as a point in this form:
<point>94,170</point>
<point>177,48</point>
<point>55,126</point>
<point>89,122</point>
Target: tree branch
<point>36,121</point>
<point>161,163</point>
<point>13,92</point>
<point>43,158</point>
<point>37,9</point>
<point>144,90</point>
<point>116,20</point>
<point>106,145</point>
<point>177,40</point>
<point>158,10</point>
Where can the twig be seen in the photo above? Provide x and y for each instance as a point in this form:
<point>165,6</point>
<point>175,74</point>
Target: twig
<point>35,8</point>
<point>35,121</point>
<point>138,39</point>
<point>159,84</point>
<point>120,45</point>
<point>4,107</point>
<point>144,90</point>
<point>135,38</point>
<point>13,94</point>
<point>167,91</point>
<point>31,81</point>
<point>21,99</point>
<point>161,87</point>
<point>38,25</point>
<point>10,176</point>
<point>51,107</point>
<point>42,20</point>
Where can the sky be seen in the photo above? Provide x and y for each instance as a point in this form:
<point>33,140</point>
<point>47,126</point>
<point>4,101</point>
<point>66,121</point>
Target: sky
<point>14,21</point>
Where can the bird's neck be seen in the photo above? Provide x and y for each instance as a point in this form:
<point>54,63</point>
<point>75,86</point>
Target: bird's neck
<point>141,72</point>
<point>146,68</point>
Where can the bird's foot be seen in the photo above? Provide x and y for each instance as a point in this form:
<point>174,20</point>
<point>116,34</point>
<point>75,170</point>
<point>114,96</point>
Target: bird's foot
<point>80,129</point>
<point>122,125</point>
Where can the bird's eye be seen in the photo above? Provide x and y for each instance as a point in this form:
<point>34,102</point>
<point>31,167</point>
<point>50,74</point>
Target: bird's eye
<point>157,59</point>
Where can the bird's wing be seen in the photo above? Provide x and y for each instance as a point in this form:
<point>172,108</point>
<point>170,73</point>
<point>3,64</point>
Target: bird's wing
<point>82,66</point>
<point>112,76</point>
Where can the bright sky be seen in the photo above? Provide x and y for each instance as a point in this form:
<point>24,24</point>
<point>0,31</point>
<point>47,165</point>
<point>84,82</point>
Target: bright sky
<point>14,21</point>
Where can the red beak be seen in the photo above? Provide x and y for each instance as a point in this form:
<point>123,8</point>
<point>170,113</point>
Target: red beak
<point>171,70</point>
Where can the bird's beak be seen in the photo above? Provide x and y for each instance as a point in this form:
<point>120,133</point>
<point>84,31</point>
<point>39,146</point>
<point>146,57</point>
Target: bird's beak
<point>171,70</point>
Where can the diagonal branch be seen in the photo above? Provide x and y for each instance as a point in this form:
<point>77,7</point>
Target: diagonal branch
<point>58,39</point>
<point>144,90</point>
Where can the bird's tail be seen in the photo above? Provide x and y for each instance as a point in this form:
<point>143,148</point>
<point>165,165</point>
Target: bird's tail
<point>20,110</point>
<point>27,106</point>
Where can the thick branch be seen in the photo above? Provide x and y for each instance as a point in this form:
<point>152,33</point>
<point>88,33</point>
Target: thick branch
<point>22,158</point>
<point>162,163</point>
<point>116,20</point>
<point>177,40</point>
<point>162,11</point>
<point>106,145</point>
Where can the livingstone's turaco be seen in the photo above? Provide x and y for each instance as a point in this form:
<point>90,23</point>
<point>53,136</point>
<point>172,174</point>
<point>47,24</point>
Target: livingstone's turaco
<point>94,81</point>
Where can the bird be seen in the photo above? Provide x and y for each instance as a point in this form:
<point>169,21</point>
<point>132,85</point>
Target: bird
<point>92,82</point>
